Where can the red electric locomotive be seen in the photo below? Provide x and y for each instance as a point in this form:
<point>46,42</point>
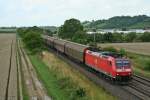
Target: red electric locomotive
<point>109,63</point>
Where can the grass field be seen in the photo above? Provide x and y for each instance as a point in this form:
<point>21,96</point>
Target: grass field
<point>139,48</point>
<point>65,83</point>
<point>141,64</point>
<point>139,53</point>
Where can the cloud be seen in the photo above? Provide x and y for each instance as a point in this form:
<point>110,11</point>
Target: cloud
<point>54,12</point>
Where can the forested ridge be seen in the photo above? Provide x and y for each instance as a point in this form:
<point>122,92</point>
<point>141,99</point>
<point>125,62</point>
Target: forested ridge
<point>141,21</point>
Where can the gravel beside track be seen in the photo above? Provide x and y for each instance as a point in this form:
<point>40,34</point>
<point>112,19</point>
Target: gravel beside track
<point>8,72</point>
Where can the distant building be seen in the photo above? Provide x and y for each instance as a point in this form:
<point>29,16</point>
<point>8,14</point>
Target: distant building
<point>103,31</point>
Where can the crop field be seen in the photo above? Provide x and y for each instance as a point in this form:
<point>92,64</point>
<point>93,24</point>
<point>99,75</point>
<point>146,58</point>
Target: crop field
<point>8,67</point>
<point>139,48</point>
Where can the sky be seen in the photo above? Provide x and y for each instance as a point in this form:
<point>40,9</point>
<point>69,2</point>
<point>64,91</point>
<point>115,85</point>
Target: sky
<point>55,12</point>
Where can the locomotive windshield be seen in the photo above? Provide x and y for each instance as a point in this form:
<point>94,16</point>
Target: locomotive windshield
<point>122,63</point>
<point>126,63</point>
<point>119,63</point>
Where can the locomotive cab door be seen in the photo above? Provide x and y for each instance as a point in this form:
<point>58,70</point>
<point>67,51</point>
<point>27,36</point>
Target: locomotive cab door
<point>108,66</point>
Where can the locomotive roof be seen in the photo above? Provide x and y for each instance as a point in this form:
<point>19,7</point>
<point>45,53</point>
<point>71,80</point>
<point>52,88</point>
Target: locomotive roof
<point>107,53</point>
<point>112,54</point>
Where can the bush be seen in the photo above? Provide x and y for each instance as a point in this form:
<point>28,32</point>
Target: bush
<point>71,89</point>
<point>80,92</point>
<point>147,67</point>
<point>145,37</point>
<point>63,82</point>
<point>32,38</point>
<point>122,52</point>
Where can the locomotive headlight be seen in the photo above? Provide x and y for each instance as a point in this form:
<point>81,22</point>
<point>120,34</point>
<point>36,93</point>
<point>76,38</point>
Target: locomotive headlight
<point>117,74</point>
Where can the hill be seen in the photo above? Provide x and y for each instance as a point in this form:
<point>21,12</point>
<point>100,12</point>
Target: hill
<point>136,22</point>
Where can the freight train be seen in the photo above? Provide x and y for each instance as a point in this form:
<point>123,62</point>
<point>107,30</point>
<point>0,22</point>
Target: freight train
<point>110,64</point>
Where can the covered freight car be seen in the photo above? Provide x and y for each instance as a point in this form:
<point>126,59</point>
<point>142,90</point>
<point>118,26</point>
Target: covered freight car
<point>59,45</point>
<point>50,41</point>
<point>75,50</point>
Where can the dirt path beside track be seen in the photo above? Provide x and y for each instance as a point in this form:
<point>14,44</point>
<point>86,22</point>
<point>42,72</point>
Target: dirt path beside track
<point>33,85</point>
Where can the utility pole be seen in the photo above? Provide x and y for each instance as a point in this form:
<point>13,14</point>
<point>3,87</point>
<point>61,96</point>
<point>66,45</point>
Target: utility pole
<point>57,32</point>
<point>94,38</point>
<point>94,32</point>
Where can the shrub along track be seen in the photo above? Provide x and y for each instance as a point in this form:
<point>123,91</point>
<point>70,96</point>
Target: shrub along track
<point>123,92</point>
<point>33,86</point>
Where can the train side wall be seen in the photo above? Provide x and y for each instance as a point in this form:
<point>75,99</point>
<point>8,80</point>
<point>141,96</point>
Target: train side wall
<point>78,55</point>
<point>60,45</point>
<point>99,64</point>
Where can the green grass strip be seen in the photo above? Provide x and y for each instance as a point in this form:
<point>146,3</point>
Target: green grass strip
<point>48,78</point>
<point>141,64</point>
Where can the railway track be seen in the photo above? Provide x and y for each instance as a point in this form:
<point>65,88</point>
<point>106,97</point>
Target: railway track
<point>140,87</point>
<point>34,87</point>
<point>142,80</point>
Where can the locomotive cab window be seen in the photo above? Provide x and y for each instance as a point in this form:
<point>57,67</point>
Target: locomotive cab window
<point>126,63</point>
<point>122,63</point>
<point>119,64</point>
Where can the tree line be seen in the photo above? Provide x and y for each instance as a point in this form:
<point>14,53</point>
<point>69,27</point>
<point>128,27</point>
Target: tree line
<point>74,31</point>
